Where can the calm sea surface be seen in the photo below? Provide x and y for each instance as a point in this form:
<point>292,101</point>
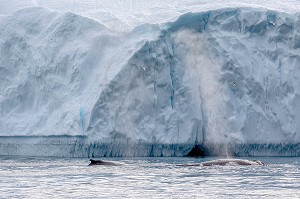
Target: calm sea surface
<point>146,178</point>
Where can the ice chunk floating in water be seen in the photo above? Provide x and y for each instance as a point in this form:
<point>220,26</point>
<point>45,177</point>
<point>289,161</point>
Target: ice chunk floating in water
<point>226,78</point>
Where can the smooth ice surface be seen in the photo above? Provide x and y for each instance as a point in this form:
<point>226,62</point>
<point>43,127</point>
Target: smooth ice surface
<point>147,178</point>
<point>151,71</point>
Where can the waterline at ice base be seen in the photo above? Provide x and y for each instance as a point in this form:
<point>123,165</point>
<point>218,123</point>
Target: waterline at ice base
<point>221,81</point>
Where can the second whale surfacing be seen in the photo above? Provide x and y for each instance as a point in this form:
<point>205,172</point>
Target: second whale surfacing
<point>232,162</point>
<point>228,162</point>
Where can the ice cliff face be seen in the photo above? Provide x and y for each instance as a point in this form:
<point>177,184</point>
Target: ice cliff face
<point>49,70</point>
<point>229,75</point>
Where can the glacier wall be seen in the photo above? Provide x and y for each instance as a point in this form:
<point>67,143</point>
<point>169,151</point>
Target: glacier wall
<point>228,79</point>
<point>231,74</point>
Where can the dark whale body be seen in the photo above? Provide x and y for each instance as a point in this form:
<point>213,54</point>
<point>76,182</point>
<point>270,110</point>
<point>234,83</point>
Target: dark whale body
<point>101,162</point>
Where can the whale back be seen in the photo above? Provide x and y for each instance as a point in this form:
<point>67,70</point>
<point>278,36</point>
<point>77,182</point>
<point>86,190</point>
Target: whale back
<point>101,162</point>
<point>232,162</point>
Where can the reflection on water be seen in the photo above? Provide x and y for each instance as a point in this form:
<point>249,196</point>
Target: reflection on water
<point>147,178</point>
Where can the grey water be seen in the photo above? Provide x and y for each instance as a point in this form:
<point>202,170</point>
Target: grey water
<point>147,178</point>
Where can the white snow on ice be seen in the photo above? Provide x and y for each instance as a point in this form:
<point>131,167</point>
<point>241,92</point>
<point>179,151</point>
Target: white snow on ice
<point>124,15</point>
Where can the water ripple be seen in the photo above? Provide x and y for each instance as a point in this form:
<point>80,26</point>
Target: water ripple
<point>147,178</point>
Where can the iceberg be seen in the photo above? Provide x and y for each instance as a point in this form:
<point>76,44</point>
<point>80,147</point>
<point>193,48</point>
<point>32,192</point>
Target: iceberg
<point>224,78</point>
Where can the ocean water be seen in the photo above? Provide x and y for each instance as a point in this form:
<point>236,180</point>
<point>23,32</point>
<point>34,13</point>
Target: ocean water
<point>146,178</point>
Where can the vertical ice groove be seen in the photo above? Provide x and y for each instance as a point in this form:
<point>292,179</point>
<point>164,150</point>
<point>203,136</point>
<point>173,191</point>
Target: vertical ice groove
<point>205,20</point>
<point>81,115</point>
<point>171,68</point>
